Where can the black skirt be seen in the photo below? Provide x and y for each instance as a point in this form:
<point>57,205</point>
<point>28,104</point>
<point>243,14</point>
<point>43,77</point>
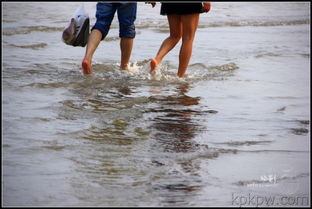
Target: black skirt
<point>180,8</point>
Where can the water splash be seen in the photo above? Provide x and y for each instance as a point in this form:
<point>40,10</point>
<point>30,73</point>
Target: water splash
<point>165,72</point>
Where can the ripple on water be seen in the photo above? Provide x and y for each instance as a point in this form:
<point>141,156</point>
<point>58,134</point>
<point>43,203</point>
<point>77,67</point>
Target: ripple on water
<point>32,46</point>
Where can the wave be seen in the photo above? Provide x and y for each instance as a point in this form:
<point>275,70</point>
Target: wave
<point>242,143</point>
<point>275,151</point>
<point>49,85</point>
<point>304,122</point>
<point>8,21</point>
<point>269,180</point>
<point>267,55</point>
<point>113,38</point>
<point>164,71</point>
<point>163,27</point>
<point>299,131</point>
<point>237,151</point>
<point>32,46</point>
<point>139,71</point>
<point>225,67</point>
<point>255,23</point>
<point>158,26</point>
<point>29,29</point>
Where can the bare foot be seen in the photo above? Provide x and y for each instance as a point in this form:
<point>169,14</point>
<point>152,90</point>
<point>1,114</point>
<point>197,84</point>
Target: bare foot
<point>153,65</point>
<point>124,67</point>
<point>86,67</point>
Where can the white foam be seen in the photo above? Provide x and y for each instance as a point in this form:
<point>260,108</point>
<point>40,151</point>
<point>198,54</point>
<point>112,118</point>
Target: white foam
<point>141,71</point>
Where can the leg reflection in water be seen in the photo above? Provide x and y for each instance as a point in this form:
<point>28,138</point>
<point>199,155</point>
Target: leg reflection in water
<point>176,123</point>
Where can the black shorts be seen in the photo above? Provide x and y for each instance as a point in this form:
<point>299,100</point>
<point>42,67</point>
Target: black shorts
<point>180,8</point>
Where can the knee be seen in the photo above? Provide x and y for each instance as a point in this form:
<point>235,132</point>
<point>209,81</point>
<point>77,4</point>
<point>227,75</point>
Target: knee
<point>187,38</point>
<point>102,28</point>
<point>175,37</point>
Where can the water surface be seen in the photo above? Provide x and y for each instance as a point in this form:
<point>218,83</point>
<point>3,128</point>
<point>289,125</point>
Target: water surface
<point>238,124</point>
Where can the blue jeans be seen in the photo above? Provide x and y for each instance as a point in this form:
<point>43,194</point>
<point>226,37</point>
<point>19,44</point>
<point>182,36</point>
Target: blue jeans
<point>126,15</point>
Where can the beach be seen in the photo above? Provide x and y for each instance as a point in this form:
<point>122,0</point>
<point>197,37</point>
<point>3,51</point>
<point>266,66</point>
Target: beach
<point>234,132</point>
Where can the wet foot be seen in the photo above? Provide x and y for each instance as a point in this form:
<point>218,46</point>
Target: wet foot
<point>124,67</point>
<point>86,67</point>
<point>153,65</point>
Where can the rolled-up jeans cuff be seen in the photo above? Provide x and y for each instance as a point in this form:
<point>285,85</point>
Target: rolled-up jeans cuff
<point>126,31</point>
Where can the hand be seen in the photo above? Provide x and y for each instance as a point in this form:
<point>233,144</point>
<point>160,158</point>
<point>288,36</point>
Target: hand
<point>206,7</point>
<point>151,2</point>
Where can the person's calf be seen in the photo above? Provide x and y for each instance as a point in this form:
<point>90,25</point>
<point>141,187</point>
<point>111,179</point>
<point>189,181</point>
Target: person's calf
<point>126,45</point>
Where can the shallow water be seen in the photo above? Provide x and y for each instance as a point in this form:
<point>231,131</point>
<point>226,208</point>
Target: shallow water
<point>238,125</point>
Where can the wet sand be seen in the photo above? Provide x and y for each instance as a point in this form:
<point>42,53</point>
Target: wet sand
<point>237,126</point>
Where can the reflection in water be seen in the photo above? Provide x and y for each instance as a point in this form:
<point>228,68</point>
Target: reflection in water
<point>174,123</point>
<point>136,143</point>
<point>176,126</point>
<point>107,141</point>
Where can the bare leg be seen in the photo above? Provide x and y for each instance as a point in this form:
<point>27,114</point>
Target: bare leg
<point>189,25</point>
<point>93,42</point>
<point>126,45</point>
<point>169,43</point>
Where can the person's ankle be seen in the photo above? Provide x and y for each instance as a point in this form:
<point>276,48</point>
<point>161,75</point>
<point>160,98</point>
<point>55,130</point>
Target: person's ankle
<point>124,66</point>
<point>153,65</point>
<point>86,66</point>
